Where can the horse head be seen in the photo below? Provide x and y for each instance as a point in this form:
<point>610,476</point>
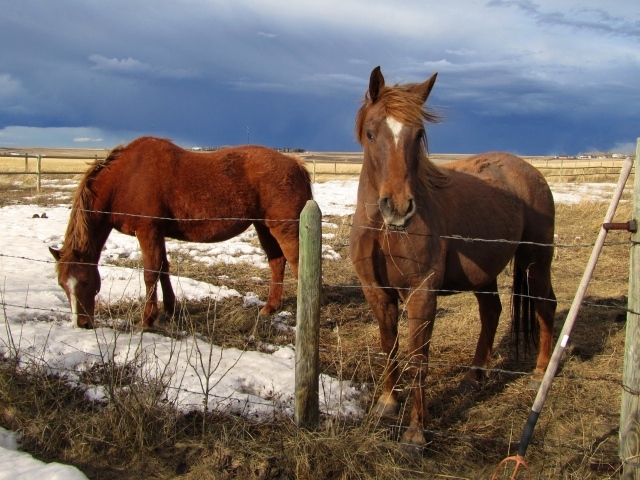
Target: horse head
<point>80,279</point>
<point>390,127</point>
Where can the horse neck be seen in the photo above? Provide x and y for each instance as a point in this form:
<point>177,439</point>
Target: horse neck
<point>87,232</point>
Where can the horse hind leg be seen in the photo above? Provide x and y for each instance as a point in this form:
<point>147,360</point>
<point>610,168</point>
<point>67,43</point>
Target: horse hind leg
<point>168,296</point>
<point>490,308</point>
<point>277,263</point>
<point>537,277</point>
<point>545,313</point>
<point>153,253</point>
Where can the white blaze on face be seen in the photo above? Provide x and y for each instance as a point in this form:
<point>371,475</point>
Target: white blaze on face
<point>71,288</point>
<point>395,127</point>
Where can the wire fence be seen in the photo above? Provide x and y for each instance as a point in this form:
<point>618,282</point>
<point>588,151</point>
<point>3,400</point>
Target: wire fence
<point>367,355</point>
<point>343,286</point>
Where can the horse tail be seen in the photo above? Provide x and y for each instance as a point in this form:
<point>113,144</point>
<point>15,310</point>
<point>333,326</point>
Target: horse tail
<point>306,176</point>
<point>523,313</point>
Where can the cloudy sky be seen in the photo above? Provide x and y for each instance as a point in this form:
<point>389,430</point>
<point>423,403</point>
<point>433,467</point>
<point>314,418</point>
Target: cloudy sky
<point>527,76</point>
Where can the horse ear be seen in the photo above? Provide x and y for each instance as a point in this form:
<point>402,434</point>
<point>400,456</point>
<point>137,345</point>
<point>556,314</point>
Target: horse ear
<point>55,253</point>
<point>376,83</point>
<point>424,89</point>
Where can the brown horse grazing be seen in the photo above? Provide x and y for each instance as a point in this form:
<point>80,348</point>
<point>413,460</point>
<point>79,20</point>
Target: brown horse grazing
<point>412,231</point>
<point>153,189</point>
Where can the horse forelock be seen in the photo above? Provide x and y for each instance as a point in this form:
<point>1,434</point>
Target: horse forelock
<point>401,103</point>
<point>77,238</point>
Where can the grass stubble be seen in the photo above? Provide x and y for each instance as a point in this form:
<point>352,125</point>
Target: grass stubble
<point>139,433</point>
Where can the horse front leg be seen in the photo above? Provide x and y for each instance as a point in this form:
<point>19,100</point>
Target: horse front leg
<point>421,311</point>
<point>490,308</point>
<point>385,310</point>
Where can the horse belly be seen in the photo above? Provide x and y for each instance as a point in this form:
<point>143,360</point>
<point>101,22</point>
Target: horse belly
<point>206,232</point>
<point>476,268</point>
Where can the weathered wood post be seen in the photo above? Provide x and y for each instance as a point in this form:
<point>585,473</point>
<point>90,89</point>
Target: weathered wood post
<point>629,448</point>
<point>307,407</point>
<point>26,162</point>
<point>39,174</point>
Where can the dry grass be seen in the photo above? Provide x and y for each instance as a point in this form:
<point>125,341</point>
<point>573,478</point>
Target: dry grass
<point>138,436</point>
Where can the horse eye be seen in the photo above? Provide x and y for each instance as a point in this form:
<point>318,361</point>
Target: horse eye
<point>420,135</point>
<point>370,136</point>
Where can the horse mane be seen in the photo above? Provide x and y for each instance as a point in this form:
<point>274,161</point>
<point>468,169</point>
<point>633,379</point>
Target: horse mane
<point>402,103</point>
<point>77,237</point>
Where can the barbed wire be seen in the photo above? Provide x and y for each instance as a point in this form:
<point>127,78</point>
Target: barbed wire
<point>368,354</point>
<point>294,283</point>
<point>479,439</point>
<point>466,239</point>
<point>282,409</point>
<point>382,228</point>
<point>203,219</point>
<point>439,291</point>
<point>229,404</point>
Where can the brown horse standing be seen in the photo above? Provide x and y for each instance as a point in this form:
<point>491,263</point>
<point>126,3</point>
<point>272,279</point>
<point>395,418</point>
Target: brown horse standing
<point>408,238</point>
<point>153,189</point>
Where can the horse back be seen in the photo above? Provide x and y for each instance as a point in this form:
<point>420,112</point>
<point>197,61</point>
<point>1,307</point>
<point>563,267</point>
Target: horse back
<point>504,185</point>
<point>155,181</point>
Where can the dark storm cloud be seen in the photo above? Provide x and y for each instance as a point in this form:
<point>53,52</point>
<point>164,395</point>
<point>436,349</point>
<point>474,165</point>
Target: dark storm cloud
<point>531,77</point>
<point>597,20</point>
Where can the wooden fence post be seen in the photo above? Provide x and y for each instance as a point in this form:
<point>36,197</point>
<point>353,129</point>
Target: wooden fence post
<point>39,174</point>
<point>629,448</point>
<point>307,408</point>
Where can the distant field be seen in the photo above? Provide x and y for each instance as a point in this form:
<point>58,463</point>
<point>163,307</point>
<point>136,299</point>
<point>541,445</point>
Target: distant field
<point>324,165</point>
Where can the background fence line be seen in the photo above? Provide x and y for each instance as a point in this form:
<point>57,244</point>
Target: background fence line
<point>581,168</point>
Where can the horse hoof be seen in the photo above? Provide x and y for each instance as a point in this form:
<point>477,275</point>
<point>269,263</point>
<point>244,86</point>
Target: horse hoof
<point>468,386</point>
<point>385,409</point>
<point>413,441</point>
<point>267,310</point>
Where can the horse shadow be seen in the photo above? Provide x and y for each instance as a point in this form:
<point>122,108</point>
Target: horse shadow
<point>599,319</point>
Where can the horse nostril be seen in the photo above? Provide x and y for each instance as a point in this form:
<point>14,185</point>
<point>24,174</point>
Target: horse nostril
<point>386,205</point>
<point>412,208</point>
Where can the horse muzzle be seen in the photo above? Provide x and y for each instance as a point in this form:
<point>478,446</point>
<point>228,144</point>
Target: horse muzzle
<point>394,216</point>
